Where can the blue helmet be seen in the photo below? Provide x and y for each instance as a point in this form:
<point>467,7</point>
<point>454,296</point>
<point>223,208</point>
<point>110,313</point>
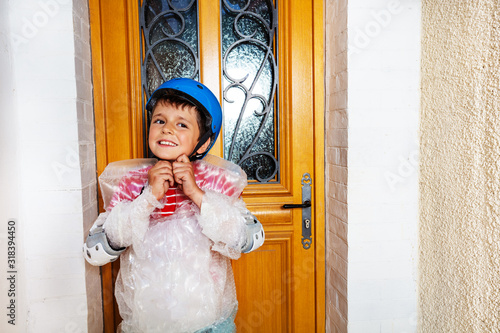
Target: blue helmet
<point>199,95</point>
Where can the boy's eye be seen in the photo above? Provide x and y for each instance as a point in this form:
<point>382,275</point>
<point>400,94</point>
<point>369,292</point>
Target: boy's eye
<point>158,121</point>
<point>182,125</point>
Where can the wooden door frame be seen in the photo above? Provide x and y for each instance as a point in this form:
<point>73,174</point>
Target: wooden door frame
<point>123,94</point>
<point>126,95</point>
<point>319,158</point>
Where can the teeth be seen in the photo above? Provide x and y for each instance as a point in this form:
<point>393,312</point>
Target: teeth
<point>168,143</point>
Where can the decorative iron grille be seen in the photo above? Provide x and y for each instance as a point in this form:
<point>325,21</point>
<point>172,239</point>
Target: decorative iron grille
<point>169,45</point>
<point>250,80</point>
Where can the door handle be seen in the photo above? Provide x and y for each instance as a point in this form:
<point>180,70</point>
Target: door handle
<point>306,210</point>
<point>306,204</point>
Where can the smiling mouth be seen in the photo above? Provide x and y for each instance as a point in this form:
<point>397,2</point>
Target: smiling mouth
<point>168,143</point>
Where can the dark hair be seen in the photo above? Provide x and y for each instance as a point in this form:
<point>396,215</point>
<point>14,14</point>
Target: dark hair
<point>179,102</point>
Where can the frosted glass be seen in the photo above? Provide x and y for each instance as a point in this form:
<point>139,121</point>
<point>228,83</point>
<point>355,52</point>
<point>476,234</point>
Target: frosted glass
<point>169,45</point>
<point>170,41</point>
<point>250,82</point>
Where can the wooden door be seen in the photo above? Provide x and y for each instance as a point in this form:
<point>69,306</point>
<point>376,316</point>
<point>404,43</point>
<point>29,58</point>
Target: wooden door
<point>281,286</point>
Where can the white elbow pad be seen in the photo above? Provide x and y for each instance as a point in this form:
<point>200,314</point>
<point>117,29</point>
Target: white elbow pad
<point>254,233</point>
<point>97,250</point>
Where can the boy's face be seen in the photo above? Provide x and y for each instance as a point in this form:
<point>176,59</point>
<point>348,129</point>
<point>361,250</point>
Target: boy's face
<point>174,131</point>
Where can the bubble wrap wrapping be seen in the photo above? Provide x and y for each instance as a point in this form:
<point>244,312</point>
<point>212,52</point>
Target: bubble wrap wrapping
<point>175,275</point>
<point>110,178</point>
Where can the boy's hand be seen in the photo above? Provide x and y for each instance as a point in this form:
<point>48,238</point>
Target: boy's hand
<point>160,178</point>
<point>184,176</point>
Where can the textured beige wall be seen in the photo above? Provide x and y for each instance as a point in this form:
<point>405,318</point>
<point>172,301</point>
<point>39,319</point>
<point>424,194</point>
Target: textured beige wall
<point>336,164</point>
<point>459,271</point>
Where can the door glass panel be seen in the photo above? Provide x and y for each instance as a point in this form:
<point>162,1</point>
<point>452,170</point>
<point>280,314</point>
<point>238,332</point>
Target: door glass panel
<point>169,45</point>
<point>169,41</point>
<point>250,83</point>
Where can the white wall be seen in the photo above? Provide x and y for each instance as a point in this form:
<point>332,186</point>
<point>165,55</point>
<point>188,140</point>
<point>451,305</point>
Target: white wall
<point>373,92</point>
<point>9,179</point>
<point>47,118</point>
<point>383,116</point>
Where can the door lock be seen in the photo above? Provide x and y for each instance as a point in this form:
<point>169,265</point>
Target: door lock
<point>306,210</point>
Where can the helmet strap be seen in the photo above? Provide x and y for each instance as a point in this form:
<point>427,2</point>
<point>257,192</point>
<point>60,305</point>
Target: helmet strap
<point>194,155</point>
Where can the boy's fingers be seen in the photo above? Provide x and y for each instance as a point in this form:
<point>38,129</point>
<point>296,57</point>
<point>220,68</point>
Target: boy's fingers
<point>178,166</point>
<point>182,172</point>
<point>167,184</point>
<point>183,158</point>
<point>171,181</point>
<point>161,169</point>
<point>182,162</point>
<point>179,176</point>
<point>162,165</point>
<point>166,178</point>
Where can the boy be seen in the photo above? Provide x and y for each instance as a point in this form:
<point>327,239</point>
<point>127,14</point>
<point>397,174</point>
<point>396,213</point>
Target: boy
<point>180,222</point>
